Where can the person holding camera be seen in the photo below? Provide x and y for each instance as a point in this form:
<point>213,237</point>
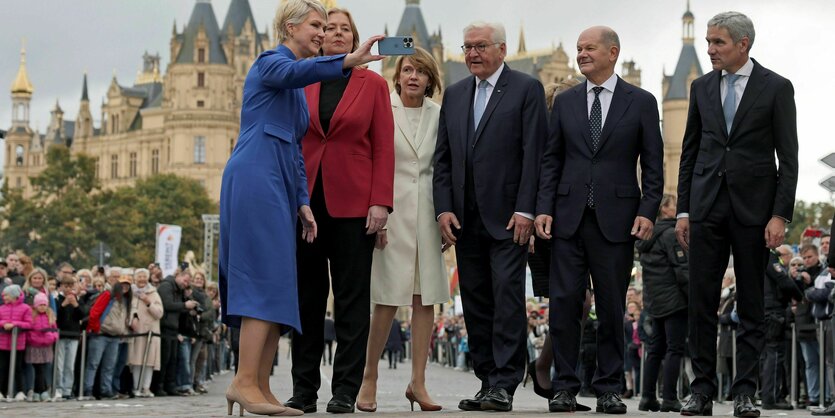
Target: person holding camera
<point>188,336</point>
<point>171,292</point>
<point>804,276</point>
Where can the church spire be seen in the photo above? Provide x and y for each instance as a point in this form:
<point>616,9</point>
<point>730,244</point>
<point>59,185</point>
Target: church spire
<point>84,96</point>
<point>21,84</point>
<point>522,47</point>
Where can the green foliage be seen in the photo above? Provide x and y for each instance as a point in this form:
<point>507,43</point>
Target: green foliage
<point>815,215</point>
<point>134,212</point>
<point>68,214</point>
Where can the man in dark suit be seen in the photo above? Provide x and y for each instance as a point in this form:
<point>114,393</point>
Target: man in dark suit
<point>589,191</point>
<point>732,196</point>
<point>491,134</point>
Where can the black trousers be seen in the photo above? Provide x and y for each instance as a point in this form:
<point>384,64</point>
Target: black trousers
<point>492,281</point>
<point>610,264</point>
<point>669,334</point>
<point>711,242</point>
<point>5,359</point>
<point>343,244</point>
<point>773,386</point>
<point>168,363</point>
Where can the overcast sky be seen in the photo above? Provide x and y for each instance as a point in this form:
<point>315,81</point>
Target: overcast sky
<point>65,38</point>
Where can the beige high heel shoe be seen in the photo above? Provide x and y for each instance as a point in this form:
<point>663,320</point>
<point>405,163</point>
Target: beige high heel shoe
<point>263,408</point>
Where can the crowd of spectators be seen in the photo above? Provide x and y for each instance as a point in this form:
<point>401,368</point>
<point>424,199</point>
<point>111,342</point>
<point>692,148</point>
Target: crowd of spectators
<point>143,334</point>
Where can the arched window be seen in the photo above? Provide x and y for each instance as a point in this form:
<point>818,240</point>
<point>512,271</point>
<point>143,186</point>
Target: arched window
<point>19,155</point>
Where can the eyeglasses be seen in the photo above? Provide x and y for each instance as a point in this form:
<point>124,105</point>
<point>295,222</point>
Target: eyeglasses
<point>795,264</point>
<point>479,48</point>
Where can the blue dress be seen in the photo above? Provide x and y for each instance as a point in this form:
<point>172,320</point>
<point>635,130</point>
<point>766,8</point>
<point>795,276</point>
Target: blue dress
<point>263,186</point>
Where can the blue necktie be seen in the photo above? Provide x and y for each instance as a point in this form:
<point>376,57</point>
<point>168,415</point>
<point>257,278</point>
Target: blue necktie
<point>480,102</point>
<point>729,107</point>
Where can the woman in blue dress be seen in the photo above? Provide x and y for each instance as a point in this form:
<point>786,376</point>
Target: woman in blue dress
<point>264,191</point>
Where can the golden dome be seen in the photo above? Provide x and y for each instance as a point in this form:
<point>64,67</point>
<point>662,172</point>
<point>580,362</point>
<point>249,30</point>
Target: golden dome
<point>21,82</point>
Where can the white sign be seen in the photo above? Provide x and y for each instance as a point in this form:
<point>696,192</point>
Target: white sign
<point>168,244</point>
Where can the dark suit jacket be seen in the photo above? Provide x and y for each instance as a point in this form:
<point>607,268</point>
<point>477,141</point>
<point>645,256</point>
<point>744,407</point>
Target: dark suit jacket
<point>765,122</point>
<point>630,130</point>
<point>508,145</point>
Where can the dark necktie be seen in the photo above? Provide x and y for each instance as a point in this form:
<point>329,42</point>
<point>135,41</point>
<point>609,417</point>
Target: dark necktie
<point>596,125</point>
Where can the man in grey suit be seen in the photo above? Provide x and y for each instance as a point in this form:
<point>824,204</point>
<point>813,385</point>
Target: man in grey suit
<point>732,196</point>
<point>589,193</point>
<point>491,133</point>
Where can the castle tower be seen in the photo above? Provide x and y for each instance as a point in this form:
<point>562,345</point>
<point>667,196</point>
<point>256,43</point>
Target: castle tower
<point>631,73</point>
<point>676,96</point>
<point>412,24</point>
<point>19,137</point>
<point>21,94</point>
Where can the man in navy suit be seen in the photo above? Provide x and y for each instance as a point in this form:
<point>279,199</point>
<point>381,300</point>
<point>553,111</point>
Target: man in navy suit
<point>589,194</point>
<point>732,196</point>
<point>491,134</point>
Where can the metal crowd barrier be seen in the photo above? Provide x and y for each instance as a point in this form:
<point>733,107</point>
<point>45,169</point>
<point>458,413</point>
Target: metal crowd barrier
<point>83,347</point>
<point>793,397</point>
<point>822,362</point>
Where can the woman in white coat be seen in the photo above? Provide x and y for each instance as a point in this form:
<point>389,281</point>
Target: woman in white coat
<point>146,306</point>
<point>408,268</point>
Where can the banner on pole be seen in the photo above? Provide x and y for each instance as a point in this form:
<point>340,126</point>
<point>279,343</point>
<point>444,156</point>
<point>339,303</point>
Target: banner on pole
<point>168,244</point>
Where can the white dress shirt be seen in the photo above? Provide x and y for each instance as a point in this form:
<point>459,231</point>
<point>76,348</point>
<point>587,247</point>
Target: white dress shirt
<point>605,96</point>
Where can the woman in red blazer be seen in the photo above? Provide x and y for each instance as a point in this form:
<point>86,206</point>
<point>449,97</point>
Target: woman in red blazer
<point>349,159</point>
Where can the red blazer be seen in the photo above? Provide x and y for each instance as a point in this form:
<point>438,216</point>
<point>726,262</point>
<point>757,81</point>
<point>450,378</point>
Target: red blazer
<point>357,154</point>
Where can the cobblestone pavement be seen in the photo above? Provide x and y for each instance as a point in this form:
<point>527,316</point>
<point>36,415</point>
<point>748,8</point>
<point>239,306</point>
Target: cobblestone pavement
<point>446,385</point>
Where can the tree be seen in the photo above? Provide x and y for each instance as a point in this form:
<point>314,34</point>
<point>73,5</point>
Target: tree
<point>132,214</point>
<point>56,223</point>
<point>68,214</point>
<point>814,215</point>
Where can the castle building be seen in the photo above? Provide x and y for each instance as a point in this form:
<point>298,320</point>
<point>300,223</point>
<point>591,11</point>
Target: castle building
<point>184,121</point>
<point>675,90</point>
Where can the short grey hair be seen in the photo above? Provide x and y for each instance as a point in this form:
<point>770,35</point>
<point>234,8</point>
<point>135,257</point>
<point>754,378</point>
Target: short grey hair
<point>498,35</point>
<point>610,37</point>
<point>294,12</point>
<point>111,270</point>
<point>738,25</point>
<point>142,271</point>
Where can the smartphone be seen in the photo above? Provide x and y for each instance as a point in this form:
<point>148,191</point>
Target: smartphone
<point>396,45</point>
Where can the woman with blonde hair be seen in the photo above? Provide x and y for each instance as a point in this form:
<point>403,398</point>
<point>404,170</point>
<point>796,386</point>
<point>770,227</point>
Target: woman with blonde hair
<point>146,306</point>
<point>264,193</point>
<point>408,268</point>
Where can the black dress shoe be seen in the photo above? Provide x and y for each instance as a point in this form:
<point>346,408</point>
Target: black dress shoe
<point>744,407</point>
<point>610,403</point>
<point>341,404</point>
<point>698,405</point>
<point>537,389</point>
<point>649,404</point>
<point>473,404</point>
<point>563,401</point>
<point>308,406</point>
<point>670,406</point>
<point>497,399</point>
<point>778,405</point>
